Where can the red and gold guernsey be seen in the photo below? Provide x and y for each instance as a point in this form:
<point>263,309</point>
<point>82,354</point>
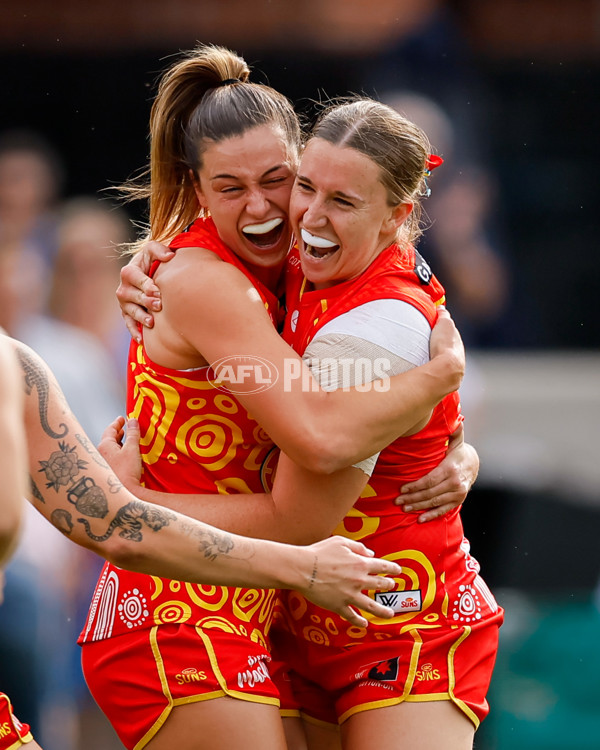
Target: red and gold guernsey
<point>195,438</point>
<point>439,585</point>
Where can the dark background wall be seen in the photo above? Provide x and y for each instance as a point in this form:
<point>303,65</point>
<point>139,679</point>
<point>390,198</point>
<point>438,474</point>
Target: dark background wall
<point>521,77</point>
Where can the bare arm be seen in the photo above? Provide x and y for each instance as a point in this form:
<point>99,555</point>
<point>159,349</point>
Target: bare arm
<point>13,458</point>
<point>302,508</point>
<point>76,491</point>
<point>329,430</point>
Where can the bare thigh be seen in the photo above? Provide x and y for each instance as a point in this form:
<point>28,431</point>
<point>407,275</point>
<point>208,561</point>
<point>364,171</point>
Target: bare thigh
<point>221,724</point>
<point>410,726</point>
<point>322,737</point>
<point>295,735</point>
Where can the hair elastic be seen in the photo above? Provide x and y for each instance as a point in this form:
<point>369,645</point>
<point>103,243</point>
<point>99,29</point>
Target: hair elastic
<point>433,161</point>
<point>229,82</point>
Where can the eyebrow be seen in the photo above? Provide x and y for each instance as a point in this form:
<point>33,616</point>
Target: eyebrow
<point>338,193</point>
<point>226,176</point>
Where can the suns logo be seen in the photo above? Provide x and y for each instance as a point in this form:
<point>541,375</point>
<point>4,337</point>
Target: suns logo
<point>427,672</point>
<point>410,603</point>
<point>189,674</point>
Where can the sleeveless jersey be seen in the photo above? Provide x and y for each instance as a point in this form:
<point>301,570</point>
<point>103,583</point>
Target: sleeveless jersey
<point>439,583</point>
<point>195,438</point>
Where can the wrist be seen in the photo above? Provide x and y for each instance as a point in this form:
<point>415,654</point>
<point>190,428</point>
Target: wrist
<point>298,569</point>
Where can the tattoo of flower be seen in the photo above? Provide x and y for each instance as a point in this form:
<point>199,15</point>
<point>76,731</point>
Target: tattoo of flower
<point>215,543</point>
<point>62,467</point>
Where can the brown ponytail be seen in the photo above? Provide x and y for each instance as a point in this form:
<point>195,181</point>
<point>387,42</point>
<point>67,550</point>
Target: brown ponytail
<point>192,108</point>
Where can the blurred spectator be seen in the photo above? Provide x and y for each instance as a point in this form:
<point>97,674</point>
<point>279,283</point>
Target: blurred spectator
<point>31,177</point>
<point>82,336</point>
<point>462,243</point>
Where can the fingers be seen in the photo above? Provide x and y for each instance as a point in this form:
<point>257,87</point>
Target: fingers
<point>132,327</point>
<point>425,487</point>
<point>434,513</point>
<point>110,442</point>
<point>134,280</point>
<point>379,567</point>
<point>380,582</point>
<point>137,314</point>
<point>357,547</point>
<point>114,431</point>
<point>154,251</point>
<point>372,607</point>
<point>353,617</point>
<point>442,496</point>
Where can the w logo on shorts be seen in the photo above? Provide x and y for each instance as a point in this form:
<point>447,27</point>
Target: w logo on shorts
<point>400,601</point>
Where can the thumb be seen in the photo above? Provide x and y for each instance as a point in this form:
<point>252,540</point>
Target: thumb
<point>132,436</point>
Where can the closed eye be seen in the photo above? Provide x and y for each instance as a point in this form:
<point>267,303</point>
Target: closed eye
<point>305,187</point>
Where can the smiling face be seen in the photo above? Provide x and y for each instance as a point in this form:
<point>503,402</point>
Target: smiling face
<point>340,213</point>
<point>245,184</point>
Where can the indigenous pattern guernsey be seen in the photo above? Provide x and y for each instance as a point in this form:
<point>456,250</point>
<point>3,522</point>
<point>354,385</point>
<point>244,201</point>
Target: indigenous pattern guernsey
<point>195,438</point>
<point>439,586</point>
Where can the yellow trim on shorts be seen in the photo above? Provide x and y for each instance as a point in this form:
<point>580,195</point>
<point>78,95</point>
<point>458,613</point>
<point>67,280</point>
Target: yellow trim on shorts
<point>160,667</point>
<point>21,741</point>
<point>222,682</point>
<point>290,713</point>
<point>410,679</point>
<point>452,679</point>
<point>171,702</point>
<point>318,722</point>
<point>423,697</point>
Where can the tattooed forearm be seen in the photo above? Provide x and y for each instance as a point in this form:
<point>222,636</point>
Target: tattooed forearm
<point>114,484</point>
<point>62,466</point>
<point>88,498</point>
<point>36,376</point>
<point>91,450</point>
<point>215,543</point>
<point>63,521</point>
<point>34,490</point>
<point>128,520</point>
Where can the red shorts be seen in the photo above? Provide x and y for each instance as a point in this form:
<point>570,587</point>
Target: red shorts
<point>13,734</point>
<point>289,706</point>
<point>456,663</point>
<point>136,679</point>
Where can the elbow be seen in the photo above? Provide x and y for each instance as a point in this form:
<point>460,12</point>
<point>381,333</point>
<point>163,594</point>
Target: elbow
<point>325,454</point>
<point>320,445</point>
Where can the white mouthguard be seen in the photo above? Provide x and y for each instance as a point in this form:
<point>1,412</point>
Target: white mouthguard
<point>313,241</point>
<point>263,228</point>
